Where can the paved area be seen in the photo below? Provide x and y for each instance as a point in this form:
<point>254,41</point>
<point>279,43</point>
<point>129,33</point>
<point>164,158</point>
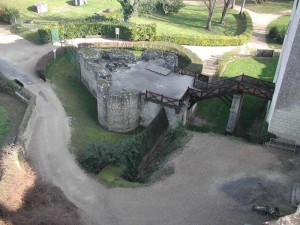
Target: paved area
<point>205,172</point>
<point>141,79</point>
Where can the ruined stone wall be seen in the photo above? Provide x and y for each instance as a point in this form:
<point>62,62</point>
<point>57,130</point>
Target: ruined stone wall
<point>150,109</point>
<point>118,111</point>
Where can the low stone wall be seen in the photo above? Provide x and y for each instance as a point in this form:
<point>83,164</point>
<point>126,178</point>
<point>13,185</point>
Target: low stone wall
<point>26,127</point>
<point>44,61</point>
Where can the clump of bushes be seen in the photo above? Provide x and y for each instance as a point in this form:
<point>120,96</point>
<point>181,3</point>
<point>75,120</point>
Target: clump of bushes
<point>7,13</point>
<point>277,29</point>
<point>170,6</point>
<point>128,31</point>
<point>127,155</point>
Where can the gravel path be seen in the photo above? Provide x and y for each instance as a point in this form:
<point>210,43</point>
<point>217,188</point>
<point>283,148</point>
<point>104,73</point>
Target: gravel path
<point>192,195</point>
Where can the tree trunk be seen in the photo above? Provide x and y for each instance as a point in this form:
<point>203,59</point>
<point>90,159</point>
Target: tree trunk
<point>242,7</point>
<point>226,5</point>
<point>209,19</point>
<point>211,5</point>
<point>232,3</point>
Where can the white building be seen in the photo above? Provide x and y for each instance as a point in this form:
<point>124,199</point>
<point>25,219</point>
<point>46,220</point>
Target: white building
<point>284,111</point>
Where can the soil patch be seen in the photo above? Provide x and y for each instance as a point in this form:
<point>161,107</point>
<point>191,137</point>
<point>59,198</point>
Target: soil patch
<point>250,190</point>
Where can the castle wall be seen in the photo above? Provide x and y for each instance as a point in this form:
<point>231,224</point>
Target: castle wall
<point>119,112</point>
<point>150,109</point>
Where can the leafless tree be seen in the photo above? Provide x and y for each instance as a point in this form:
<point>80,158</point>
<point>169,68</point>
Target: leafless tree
<point>232,4</point>
<point>211,5</point>
<point>225,8</point>
<point>242,7</point>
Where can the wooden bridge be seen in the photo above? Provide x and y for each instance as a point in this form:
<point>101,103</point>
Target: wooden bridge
<point>230,86</point>
<point>218,89</point>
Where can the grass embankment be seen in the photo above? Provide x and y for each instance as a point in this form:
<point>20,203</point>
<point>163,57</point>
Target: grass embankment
<point>269,6</point>
<point>215,112</point>
<point>281,25</point>
<point>11,114</point>
<point>191,20</point>
<point>80,106</point>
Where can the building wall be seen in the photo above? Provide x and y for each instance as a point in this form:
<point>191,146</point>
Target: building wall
<point>284,113</point>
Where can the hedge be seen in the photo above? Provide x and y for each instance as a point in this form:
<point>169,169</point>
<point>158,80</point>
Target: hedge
<point>128,31</point>
<point>278,28</point>
<point>212,40</point>
<point>187,54</point>
<point>8,13</point>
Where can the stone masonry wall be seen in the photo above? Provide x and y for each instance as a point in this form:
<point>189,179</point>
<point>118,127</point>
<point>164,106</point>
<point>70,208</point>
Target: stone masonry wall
<point>119,112</point>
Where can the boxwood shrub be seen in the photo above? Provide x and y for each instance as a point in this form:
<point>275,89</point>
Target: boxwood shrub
<point>278,28</point>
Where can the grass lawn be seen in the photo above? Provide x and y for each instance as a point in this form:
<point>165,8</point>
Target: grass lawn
<point>190,19</point>
<point>4,123</point>
<point>11,114</point>
<point>268,7</point>
<point>282,21</point>
<point>216,113</point>
<point>80,106</point>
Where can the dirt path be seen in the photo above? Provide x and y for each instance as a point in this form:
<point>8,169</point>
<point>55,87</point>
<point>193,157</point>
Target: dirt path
<point>192,195</point>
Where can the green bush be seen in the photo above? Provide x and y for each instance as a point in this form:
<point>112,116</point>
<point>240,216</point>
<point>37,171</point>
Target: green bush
<point>98,156</point>
<point>128,31</point>
<point>8,13</point>
<point>277,29</point>
<point>212,41</point>
<point>170,6</point>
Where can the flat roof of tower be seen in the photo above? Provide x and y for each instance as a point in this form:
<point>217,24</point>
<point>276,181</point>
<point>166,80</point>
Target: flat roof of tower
<point>139,78</point>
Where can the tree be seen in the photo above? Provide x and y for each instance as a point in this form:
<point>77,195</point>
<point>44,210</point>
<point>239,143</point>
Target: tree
<point>211,5</point>
<point>232,4</point>
<point>225,8</point>
<point>242,7</point>
<point>129,7</point>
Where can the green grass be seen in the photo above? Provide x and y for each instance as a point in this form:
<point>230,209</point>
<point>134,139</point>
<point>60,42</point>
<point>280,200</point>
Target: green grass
<point>80,106</point>
<point>60,9</point>
<point>216,112</point>
<point>282,21</point>
<point>270,6</point>
<point>4,123</point>
<point>12,112</point>
<point>111,175</point>
<point>192,20</point>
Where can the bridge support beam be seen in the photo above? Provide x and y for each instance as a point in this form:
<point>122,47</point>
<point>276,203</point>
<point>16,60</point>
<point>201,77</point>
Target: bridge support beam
<point>235,110</point>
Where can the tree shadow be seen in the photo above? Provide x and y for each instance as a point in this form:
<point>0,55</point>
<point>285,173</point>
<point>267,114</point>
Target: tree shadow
<point>43,204</point>
<point>71,3</point>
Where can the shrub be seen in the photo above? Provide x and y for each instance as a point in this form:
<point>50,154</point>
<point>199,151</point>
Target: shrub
<point>96,157</point>
<point>128,31</point>
<point>8,13</point>
<point>171,6</point>
<point>209,40</point>
<point>277,29</point>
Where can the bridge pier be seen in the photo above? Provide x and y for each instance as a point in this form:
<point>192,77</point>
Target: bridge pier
<point>235,110</point>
